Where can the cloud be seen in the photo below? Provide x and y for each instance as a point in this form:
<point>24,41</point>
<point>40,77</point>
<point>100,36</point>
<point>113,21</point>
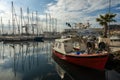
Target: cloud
<point>79,10</point>
<point>64,10</point>
<point>118,8</point>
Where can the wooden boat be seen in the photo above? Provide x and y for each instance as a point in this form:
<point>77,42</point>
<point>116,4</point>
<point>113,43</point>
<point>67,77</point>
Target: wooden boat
<point>74,72</point>
<point>63,49</point>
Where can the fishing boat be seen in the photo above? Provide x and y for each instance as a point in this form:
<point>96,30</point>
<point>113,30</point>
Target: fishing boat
<point>68,71</point>
<point>63,49</point>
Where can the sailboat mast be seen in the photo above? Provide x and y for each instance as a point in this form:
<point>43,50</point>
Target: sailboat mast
<point>37,22</point>
<point>21,14</point>
<point>46,22</point>
<point>53,25</point>
<point>13,18</point>
<point>56,24</point>
<point>50,23</point>
<point>9,25</point>
<point>32,23</point>
<point>27,27</point>
<point>1,26</point>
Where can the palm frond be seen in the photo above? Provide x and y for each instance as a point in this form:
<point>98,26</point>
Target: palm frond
<point>112,15</point>
<point>102,17</point>
<point>102,23</point>
<point>98,19</point>
<point>112,20</point>
<point>106,15</point>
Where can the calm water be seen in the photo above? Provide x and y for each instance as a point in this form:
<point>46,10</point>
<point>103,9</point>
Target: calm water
<point>34,61</point>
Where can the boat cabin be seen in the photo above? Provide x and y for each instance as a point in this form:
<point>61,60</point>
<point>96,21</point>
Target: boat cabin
<point>63,45</point>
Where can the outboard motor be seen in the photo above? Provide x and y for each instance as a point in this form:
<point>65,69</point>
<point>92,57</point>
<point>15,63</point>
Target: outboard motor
<point>102,46</point>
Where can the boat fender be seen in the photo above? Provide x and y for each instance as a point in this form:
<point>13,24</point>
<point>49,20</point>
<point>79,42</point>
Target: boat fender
<point>78,52</point>
<point>102,46</point>
<point>90,45</point>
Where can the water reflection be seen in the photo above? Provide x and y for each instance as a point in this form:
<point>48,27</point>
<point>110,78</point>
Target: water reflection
<point>33,61</point>
<point>69,71</point>
<point>26,61</point>
<point>74,72</point>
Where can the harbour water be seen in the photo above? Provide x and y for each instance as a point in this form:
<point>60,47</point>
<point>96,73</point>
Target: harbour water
<point>35,61</point>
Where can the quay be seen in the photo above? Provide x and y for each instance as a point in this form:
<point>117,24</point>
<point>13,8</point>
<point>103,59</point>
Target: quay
<point>21,38</point>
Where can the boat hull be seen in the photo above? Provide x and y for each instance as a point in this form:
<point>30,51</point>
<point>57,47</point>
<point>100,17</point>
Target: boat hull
<point>94,62</point>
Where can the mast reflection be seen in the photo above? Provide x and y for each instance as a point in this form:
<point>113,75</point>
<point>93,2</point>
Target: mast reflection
<point>25,56</point>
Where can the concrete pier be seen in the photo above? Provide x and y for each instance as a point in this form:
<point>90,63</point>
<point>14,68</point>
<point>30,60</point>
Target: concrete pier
<point>18,38</point>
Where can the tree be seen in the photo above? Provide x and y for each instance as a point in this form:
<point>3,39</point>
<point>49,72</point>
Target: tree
<point>104,20</point>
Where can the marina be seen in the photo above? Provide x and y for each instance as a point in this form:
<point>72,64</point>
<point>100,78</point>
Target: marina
<point>59,40</point>
<point>34,61</point>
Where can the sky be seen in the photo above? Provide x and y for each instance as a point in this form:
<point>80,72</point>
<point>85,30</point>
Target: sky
<point>73,11</point>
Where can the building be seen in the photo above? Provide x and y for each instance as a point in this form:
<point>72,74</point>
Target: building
<point>114,29</point>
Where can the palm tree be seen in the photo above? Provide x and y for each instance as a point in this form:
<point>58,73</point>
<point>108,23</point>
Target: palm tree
<point>104,20</point>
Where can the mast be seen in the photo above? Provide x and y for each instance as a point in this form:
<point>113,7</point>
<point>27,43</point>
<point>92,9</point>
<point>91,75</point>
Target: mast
<point>1,26</point>
<point>27,26</point>
<point>32,23</point>
<point>56,24</point>
<point>53,24</point>
<point>50,23</point>
<point>13,18</point>
<point>21,20</point>
<point>37,22</point>
<point>46,22</point>
<point>18,24</point>
<point>41,26</point>
<point>9,25</point>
